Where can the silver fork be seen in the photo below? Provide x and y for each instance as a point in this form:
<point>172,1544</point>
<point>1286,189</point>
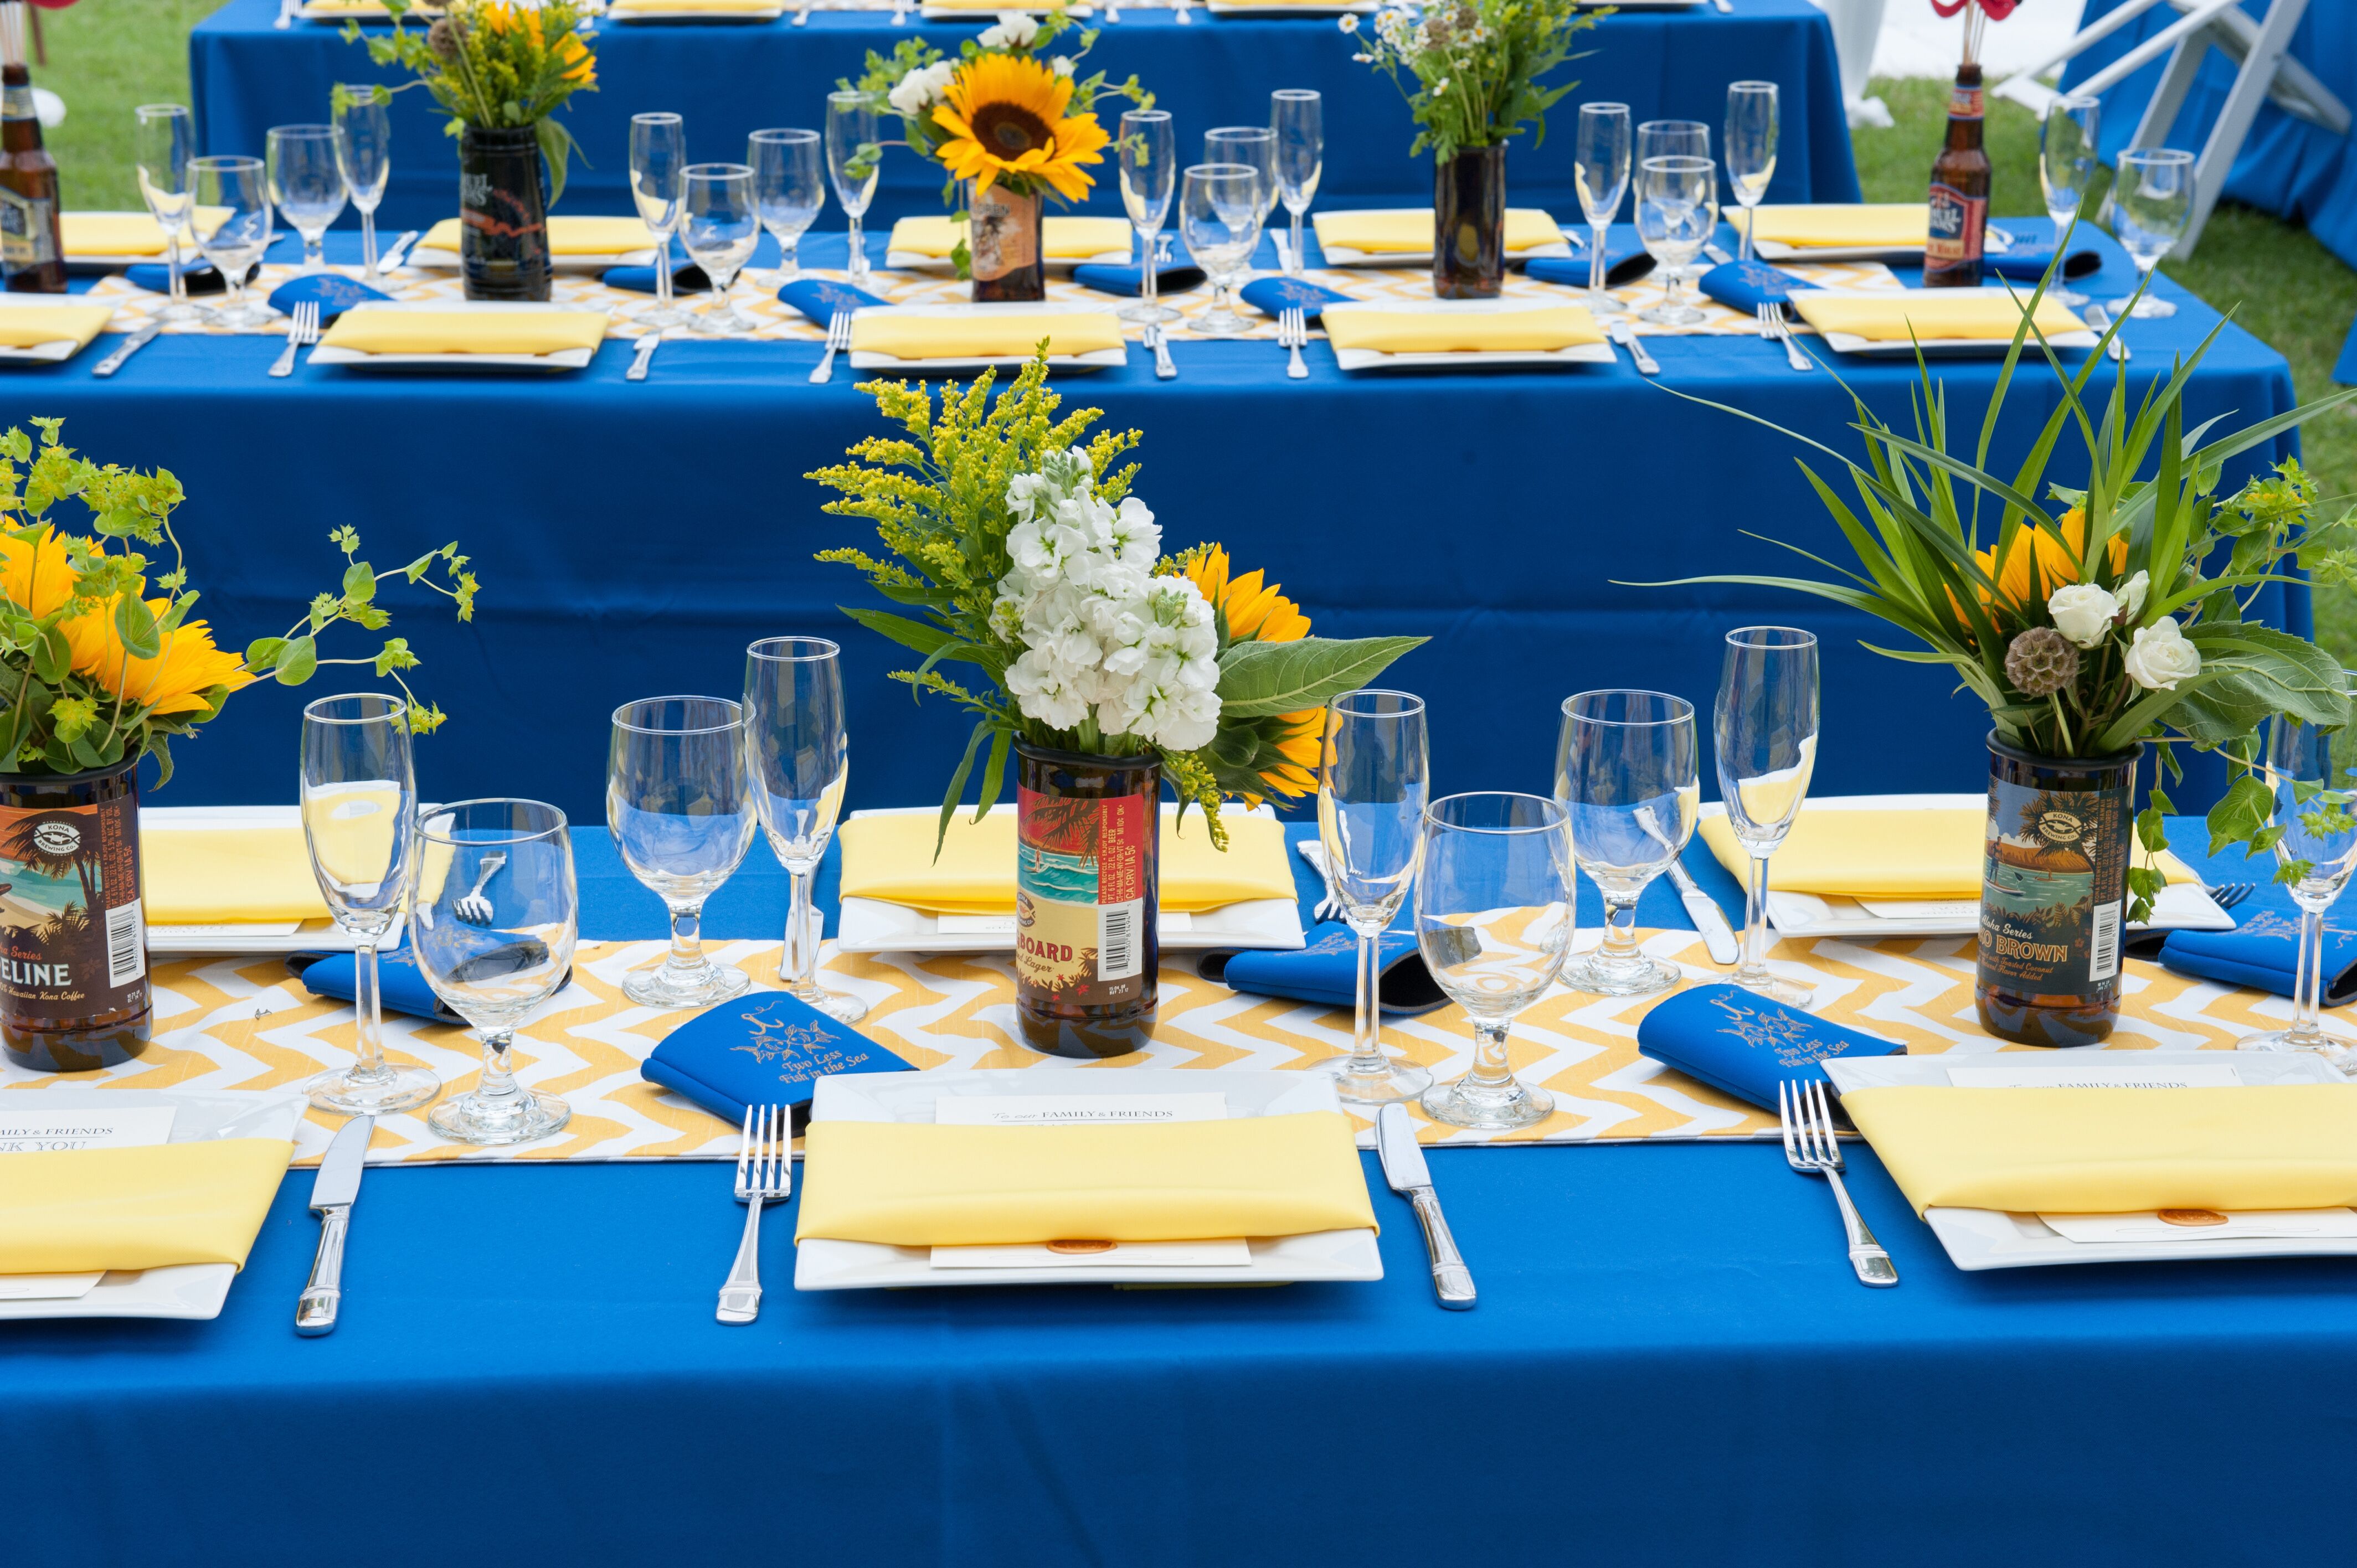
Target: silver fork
<point>2226,895</point>
<point>301,333</point>
<point>1293,331</point>
<point>1184,14</point>
<point>1811,1148</point>
<point>1329,907</point>
<point>801,15</point>
<point>838,338</point>
<point>474,909</point>
<point>1165,368</point>
<point>765,1174</point>
<point>1773,325</point>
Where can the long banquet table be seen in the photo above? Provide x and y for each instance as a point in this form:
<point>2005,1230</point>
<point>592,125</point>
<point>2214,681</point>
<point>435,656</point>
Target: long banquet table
<point>732,78</point>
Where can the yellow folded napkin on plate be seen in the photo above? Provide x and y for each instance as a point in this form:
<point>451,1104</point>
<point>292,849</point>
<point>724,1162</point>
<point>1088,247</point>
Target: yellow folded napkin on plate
<point>1389,331</point>
<point>982,336</point>
<point>888,856</point>
<point>109,234</point>
<point>656,8</point>
<point>912,1184</point>
<point>31,326</point>
<point>466,331</point>
<point>1932,314</point>
<point>2114,1150</point>
<point>566,236</point>
<point>1898,225</point>
<point>71,1211</point>
<point>360,8</point>
<point>1064,238</point>
<point>1407,230</point>
<point>227,876</point>
<point>1928,853</point>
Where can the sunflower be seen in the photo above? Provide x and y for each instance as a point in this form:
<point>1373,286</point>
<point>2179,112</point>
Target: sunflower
<point>2056,557</point>
<point>35,575</point>
<point>1253,610</point>
<point>174,681</point>
<point>1004,115</point>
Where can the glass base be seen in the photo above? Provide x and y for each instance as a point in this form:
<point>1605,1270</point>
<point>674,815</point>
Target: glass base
<point>660,315</point>
<point>659,985</point>
<point>1398,1080</point>
<point>2147,309</point>
<point>1668,315</point>
<point>2336,1052</point>
<point>1602,302</point>
<point>1146,310</point>
<point>242,317</point>
<point>1775,990</point>
<point>1499,1109</point>
<point>843,1009</point>
<point>181,310</point>
<point>1639,976</point>
<point>726,323</point>
<point>2070,298</point>
<point>393,1087</point>
<point>516,1118</point>
<point>1221,324</point>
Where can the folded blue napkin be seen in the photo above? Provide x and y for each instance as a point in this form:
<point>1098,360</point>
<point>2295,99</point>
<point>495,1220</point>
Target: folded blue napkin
<point>2262,953</point>
<point>197,277</point>
<point>1625,260</point>
<point>1270,295</point>
<point>686,277</point>
<point>1748,285</point>
<point>400,986</point>
<point>767,1047</point>
<point>1744,1044</point>
<point>820,298</point>
<point>2024,263</point>
<point>1327,971</point>
<point>332,291</point>
<point>1170,277</point>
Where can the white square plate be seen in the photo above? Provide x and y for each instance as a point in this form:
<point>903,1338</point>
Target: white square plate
<point>308,936</point>
<point>964,13</point>
<point>1095,359</point>
<point>562,360</point>
<point>1940,348</point>
<point>1370,360</point>
<point>184,1290</point>
<point>1356,7</point>
<point>908,1097</point>
<point>1345,256</point>
<point>620,11</point>
<point>64,348</point>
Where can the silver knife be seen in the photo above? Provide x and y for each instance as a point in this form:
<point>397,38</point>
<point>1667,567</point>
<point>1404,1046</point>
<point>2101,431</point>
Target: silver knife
<point>1625,335</point>
<point>1717,936</point>
<point>1163,369</point>
<point>647,344</point>
<point>1716,254</point>
<point>1403,1168</point>
<point>392,258</point>
<point>124,349</point>
<point>332,1194</point>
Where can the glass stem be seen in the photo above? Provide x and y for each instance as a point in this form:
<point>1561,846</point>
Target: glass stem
<point>858,249</point>
<point>790,267</point>
<point>663,269</point>
<point>686,940</point>
<point>2308,991</point>
<point>1149,277</point>
<point>1298,266</point>
<point>1491,1066</point>
<point>315,252</point>
<point>368,241</point>
<point>1620,949</point>
<point>797,964</point>
<point>1367,1058</point>
<point>498,1084</point>
<point>179,284</point>
<point>368,1009</point>
<point>1597,271</point>
<point>1755,923</point>
<point>1749,219</point>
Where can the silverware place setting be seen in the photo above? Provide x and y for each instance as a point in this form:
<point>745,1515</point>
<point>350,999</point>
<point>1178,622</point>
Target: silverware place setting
<point>302,331</point>
<point>1163,369</point>
<point>1811,1148</point>
<point>128,347</point>
<point>1404,1169</point>
<point>838,339</point>
<point>1293,331</point>
<point>390,260</point>
<point>333,1192</point>
<point>472,907</point>
<point>2227,894</point>
<point>1620,332</point>
<point>1329,907</point>
<point>765,1174</point>
<point>1778,330</point>
<point>647,342</point>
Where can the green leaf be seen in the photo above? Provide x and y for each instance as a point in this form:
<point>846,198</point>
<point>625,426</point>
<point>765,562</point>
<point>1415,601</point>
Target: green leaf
<point>53,656</point>
<point>2241,812</point>
<point>297,662</point>
<point>957,784</point>
<point>263,652</point>
<point>134,623</point>
<point>359,582</point>
<point>1260,680</point>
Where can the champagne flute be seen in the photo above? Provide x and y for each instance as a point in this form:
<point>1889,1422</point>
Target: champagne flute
<point>2066,167</point>
<point>854,160</point>
<point>799,760</point>
<point>1750,148</point>
<point>1254,146</point>
<point>1494,918</point>
<point>677,803</point>
<point>1625,773</point>
<point>658,165</point>
<point>163,140</point>
<point>1373,781</point>
<point>1149,178</point>
<point>359,798</point>
<point>364,153</point>
<point>1677,208</point>
<point>788,192</point>
<point>2152,201</point>
<point>1766,739</point>
<point>719,227</point>
<point>1218,217</point>
<point>493,927</point>
<point>231,220</point>
<point>1298,117</point>
<point>1601,168</point>
<point>307,183</point>
<point>2298,763</point>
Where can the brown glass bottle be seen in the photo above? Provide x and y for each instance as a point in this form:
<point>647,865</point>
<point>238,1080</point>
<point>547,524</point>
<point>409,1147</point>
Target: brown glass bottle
<point>32,256</point>
<point>1960,191</point>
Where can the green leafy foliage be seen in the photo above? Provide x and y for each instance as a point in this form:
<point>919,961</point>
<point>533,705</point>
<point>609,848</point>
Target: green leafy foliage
<point>1477,66</point>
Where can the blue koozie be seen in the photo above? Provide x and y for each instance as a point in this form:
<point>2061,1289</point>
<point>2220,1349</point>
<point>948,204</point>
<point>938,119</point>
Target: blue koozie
<point>1327,971</point>
<point>2262,953</point>
<point>820,298</point>
<point>765,1047</point>
<point>1270,295</point>
<point>1744,1044</point>
<point>399,985</point>
<point>333,293</point>
<point>1748,285</point>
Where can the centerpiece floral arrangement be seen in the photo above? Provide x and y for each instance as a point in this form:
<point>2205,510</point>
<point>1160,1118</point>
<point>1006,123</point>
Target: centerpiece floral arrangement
<point>1477,68</point>
<point>1109,666</point>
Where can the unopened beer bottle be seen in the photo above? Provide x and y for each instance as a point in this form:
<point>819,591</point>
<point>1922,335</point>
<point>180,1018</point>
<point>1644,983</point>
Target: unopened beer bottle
<point>1960,191</point>
<point>32,257</point>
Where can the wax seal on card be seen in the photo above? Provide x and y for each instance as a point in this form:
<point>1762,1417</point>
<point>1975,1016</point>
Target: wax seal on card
<point>1081,1246</point>
<point>2191,1217</point>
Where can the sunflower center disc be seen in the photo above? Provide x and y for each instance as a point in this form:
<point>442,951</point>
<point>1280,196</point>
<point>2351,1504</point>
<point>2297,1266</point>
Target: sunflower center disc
<point>1009,131</point>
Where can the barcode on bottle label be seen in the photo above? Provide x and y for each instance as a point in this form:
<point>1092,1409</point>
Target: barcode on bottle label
<point>2104,950</point>
<point>1120,953</point>
<point>126,945</point>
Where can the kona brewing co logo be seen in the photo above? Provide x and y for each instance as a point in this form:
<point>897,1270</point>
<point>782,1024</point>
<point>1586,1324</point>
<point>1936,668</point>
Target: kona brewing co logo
<point>2060,827</point>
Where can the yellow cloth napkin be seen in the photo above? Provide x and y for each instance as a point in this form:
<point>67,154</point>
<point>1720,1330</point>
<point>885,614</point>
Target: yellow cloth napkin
<point>1930,315</point>
<point>1392,331</point>
<point>31,326</point>
<point>1408,230</point>
<point>466,331</point>
<point>2114,1150</point>
<point>1845,226</point>
<point>566,236</point>
<point>889,857</point>
<point>227,876</point>
<point>982,336</point>
<point>1065,238</point>
<point>360,8</point>
<point>656,8</point>
<point>109,234</point>
<point>1928,853</point>
<point>910,1185</point>
<point>69,1211</point>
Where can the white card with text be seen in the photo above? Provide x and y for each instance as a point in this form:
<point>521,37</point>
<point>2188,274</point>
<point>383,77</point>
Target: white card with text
<point>37,1131</point>
<point>2124,1072</point>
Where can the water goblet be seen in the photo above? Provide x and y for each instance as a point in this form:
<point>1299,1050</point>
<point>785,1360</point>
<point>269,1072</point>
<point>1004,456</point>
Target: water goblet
<point>1601,170</point>
<point>1765,736</point>
<point>788,191</point>
<point>719,227</point>
<point>1625,772</point>
<point>163,140</point>
<point>307,183</point>
<point>1218,217</point>
<point>493,927</point>
<point>1374,779</point>
<point>683,818</point>
<point>2066,167</point>
<point>2152,201</point>
<point>658,187</point>
<point>1750,148</point>
<point>799,760</point>
<point>1677,208</point>
<point>1297,117</point>
<point>1671,139</point>
<point>231,217</point>
<point>364,156</point>
<point>2300,764</point>
<point>1494,918</point>
<point>854,161</point>
<point>1254,146</point>
<point>358,805</point>
<point>1150,178</point>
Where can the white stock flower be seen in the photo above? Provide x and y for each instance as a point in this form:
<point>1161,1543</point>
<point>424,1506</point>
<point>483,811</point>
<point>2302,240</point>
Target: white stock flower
<point>2083,612</point>
<point>2132,594</point>
<point>921,88</point>
<point>2161,657</point>
<point>1013,29</point>
<point>1062,65</point>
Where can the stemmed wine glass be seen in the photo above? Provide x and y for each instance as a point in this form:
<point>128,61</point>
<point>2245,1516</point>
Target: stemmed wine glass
<point>307,183</point>
<point>657,185</point>
<point>360,822</point>
<point>2066,167</point>
<point>364,155</point>
<point>2301,762</point>
<point>2152,201</point>
<point>1218,217</point>
<point>1750,148</point>
<point>163,139</point>
<point>1600,169</point>
<point>1673,139</point>
<point>681,815</point>
<point>493,927</point>
<point>1625,772</point>
<point>1298,117</point>
<point>1149,178</point>
<point>788,191</point>
<point>1677,208</point>
<point>799,760</point>
<point>1374,781</point>
<point>1766,739</point>
<point>231,220</point>
<point>854,160</point>
<point>1494,918</point>
<point>719,227</point>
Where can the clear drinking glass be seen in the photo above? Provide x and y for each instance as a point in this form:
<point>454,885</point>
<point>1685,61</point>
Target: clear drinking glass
<point>1374,782</point>
<point>1625,772</point>
<point>1678,210</point>
<point>1298,117</point>
<point>1750,148</point>
<point>854,158</point>
<point>1494,916</point>
<point>364,153</point>
<point>163,140</point>
<point>232,220</point>
<point>657,185</point>
<point>1601,168</point>
<point>1218,217</point>
<point>799,760</point>
<point>307,183</point>
<point>2152,201</point>
<point>494,925</point>
<point>788,192</point>
<point>1671,139</point>
<point>1766,738</point>
<point>2066,167</point>
<point>1254,146</point>
<point>1149,178</point>
<point>2297,761</point>
<point>360,822</point>
<point>682,817</point>
<point>720,229</point>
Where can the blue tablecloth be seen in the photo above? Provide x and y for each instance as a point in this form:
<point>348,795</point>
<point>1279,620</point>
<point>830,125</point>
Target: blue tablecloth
<point>731,79</point>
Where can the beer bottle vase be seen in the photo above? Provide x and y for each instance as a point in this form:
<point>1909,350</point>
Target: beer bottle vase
<point>1960,191</point>
<point>32,256</point>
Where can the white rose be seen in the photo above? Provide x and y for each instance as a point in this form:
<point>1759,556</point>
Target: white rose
<point>911,94</point>
<point>1013,30</point>
<point>2132,594</point>
<point>2083,612</point>
<point>1062,65</point>
<point>2161,657</point>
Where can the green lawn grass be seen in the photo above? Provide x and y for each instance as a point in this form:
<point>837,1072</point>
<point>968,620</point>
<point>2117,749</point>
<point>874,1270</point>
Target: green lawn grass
<point>105,59</point>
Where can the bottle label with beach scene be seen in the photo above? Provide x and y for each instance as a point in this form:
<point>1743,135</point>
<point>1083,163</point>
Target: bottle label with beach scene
<point>2052,889</point>
<point>71,942</point>
<point>1080,885</point>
